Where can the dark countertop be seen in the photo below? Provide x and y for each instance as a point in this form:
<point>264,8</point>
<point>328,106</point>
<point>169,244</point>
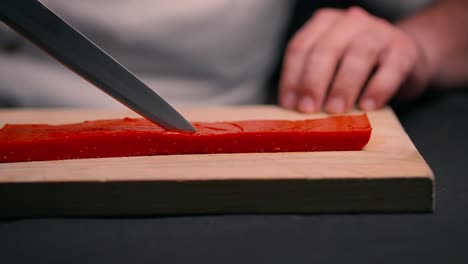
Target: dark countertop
<point>438,127</point>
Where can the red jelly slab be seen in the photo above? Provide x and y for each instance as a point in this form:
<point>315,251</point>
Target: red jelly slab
<point>140,137</point>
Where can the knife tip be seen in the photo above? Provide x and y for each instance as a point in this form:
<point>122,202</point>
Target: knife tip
<point>181,126</point>
<point>189,128</point>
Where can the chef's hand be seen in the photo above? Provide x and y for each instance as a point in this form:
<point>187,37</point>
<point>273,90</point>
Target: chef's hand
<point>345,57</point>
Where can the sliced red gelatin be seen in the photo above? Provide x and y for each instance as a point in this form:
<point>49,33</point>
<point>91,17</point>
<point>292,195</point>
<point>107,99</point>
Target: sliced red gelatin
<point>140,137</point>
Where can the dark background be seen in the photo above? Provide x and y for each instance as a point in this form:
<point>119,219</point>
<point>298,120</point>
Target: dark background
<point>437,125</point>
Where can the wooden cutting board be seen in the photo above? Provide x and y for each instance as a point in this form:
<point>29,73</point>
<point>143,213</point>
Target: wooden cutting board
<point>389,175</point>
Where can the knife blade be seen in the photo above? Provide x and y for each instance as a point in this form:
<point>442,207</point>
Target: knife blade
<point>47,30</point>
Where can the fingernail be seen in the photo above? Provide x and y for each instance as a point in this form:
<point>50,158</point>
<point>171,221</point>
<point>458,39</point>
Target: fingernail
<point>306,105</point>
<point>336,105</point>
<point>367,104</point>
<point>289,100</point>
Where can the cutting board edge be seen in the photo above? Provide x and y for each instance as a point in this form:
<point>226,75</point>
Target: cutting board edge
<point>216,197</point>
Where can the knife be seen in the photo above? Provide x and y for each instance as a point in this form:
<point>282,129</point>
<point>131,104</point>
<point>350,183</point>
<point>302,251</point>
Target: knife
<point>51,33</point>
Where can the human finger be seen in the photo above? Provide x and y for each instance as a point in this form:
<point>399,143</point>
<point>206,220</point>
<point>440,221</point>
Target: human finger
<point>297,51</point>
<point>395,65</point>
<point>323,59</point>
<point>355,68</point>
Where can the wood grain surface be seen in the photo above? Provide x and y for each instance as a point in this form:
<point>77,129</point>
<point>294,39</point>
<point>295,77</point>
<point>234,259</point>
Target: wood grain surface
<point>389,175</point>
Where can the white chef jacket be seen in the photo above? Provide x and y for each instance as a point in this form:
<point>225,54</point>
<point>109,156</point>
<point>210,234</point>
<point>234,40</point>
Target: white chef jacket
<point>190,52</point>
